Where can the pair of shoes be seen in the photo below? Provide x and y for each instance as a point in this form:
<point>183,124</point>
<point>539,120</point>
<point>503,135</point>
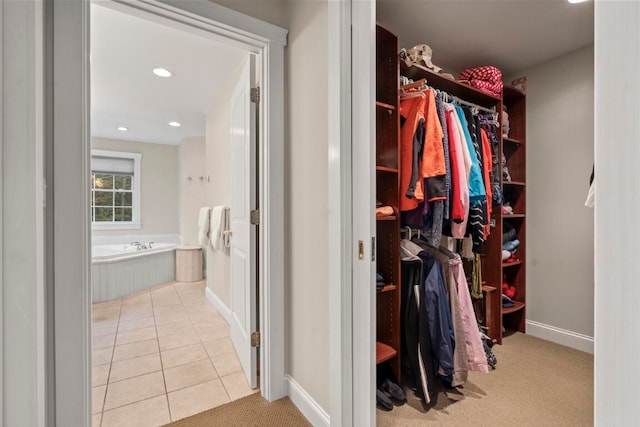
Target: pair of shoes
<point>394,390</point>
<point>388,394</point>
<point>383,401</point>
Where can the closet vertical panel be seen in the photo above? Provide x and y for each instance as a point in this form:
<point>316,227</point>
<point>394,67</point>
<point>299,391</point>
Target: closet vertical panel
<point>515,191</point>
<point>387,193</point>
<point>492,266</point>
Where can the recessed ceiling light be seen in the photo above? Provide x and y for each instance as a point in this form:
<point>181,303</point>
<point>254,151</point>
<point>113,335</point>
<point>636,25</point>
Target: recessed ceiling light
<point>577,1</point>
<point>174,124</point>
<point>122,128</point>
<point>162,72</point>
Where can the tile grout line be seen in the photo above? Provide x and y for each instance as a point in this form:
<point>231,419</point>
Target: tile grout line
<point>164,379</point>
<point>137,401</point>
<point>106,390</point>
<point>207,353</point>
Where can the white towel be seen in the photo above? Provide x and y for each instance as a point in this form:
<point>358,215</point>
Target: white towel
<point>203,226</point>
<point>219,225</point>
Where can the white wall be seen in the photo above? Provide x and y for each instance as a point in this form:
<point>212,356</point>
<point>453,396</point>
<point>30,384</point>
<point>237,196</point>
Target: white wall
<point>271,11</point>
<point>617,372</point>
<point>559,227</point>
<point>159,180</point>
<point>192,193</point>
<point>306,204</point>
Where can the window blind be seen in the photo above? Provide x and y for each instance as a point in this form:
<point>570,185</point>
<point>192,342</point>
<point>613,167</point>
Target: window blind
<point>102,164</point>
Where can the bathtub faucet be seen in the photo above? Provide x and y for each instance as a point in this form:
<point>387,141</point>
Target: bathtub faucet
<point>139,246</point>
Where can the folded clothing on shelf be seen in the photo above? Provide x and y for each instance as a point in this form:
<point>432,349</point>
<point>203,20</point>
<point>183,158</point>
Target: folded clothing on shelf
<point>507,302</point>
<point>487,79</point>
<point>383,211</point>
<point>511,245</point>
<point>509,232</point>
<point>508,291</point>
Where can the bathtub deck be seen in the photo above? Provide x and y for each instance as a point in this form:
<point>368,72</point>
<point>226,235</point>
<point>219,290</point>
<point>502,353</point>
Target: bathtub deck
<point>161,355</point>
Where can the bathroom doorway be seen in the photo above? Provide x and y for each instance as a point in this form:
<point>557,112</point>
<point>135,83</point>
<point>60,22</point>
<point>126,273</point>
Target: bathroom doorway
<point>173,186</point>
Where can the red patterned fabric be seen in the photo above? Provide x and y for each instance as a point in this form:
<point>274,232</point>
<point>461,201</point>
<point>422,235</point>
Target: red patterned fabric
<point>487,79</point>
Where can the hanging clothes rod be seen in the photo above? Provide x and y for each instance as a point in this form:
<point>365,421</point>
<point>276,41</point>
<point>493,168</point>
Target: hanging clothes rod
<point>419,83</point>
<point>472,105</point>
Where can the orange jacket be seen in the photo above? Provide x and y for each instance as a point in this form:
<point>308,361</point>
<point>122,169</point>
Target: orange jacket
<point>421,136</point>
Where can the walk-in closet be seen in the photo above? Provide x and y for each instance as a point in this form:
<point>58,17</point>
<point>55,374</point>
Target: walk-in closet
<point>483,160</point>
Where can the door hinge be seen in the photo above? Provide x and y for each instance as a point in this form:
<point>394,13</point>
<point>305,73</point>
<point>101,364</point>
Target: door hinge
<point>255,217</point>
<point>255,95</point>
<point>255,339</point>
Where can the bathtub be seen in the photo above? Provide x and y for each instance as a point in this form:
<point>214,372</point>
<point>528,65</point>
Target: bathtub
<point>120,270</point>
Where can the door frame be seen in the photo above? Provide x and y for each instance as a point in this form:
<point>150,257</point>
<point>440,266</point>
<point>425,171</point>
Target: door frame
<point>351,205</point>
<point>67,161</point>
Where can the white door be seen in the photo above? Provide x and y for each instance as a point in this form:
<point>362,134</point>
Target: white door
<point>243,240</point>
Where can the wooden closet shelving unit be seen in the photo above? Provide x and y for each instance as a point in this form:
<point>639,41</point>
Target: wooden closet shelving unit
<point>514,149</point>
<point>387,191</point>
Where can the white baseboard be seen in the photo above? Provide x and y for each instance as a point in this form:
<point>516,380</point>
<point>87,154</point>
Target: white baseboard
<point>219,305</point>
<point>313,412</point>
<point>560,336</point>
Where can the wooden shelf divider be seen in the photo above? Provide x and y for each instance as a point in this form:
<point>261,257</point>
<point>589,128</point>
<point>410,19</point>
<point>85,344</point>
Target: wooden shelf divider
<point>518,305</point>
<point>384,352</point>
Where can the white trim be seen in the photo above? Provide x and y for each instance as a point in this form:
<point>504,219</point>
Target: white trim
<point>363,203</point>
<point>340,227</point>
<point>244,30</point>
<point>219,305</point>
<point>68,163</point>
<point>41,312</point>
<point>313,412</point>
<point>102,226</point>
<point>1,217</point>
<point>70,124</point>
<point>560,336</point>
<point>136,223</point>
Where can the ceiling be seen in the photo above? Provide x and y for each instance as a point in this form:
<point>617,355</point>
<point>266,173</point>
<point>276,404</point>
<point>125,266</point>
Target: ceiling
<point>124,91</point>
<point>510,34</point>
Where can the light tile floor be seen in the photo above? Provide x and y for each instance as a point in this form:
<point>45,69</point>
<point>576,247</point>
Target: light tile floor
<point>161,355</point>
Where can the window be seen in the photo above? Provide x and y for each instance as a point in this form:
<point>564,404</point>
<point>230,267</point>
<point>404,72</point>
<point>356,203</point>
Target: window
<point>115,190</point>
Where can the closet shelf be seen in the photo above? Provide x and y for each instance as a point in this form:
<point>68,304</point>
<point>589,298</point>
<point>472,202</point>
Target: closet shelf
<point>517,307</point>
<point>387,218</point>
<point>511,264</point>
<point>383,105</point>
<point>514,183</point>
<point>386,169</point>
<point>452,87</point>
<point>513,141</point>
<point>488,289</point>
<point>513,216</point>
<point>384,352</point>
<point>387,288</point>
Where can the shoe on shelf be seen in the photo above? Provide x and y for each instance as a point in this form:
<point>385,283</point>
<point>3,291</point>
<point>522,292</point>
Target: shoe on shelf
<point>383,401</point>
<point>394,390</point>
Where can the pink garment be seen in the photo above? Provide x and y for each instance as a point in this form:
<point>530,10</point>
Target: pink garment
<point>456,149</point>
<point>476,357</point>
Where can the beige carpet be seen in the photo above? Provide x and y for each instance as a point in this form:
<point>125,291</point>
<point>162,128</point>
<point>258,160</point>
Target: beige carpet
<point>536,383</point>
<point>251,411</point>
